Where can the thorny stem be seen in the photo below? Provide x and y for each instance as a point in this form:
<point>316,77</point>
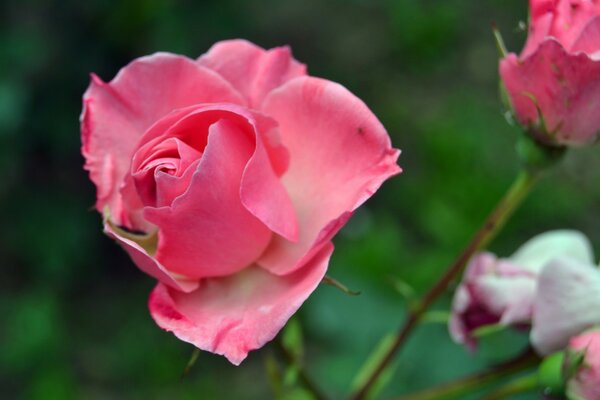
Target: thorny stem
<point>488,230</point>
<point>468,384</point>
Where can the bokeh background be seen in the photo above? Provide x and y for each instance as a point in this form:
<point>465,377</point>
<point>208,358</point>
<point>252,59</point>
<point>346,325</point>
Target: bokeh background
<point>74,322</point>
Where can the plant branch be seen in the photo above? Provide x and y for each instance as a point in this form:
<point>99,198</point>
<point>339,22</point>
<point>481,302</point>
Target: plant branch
<point>488,230</point>
<point>306,381</point>
<point>478,380</point>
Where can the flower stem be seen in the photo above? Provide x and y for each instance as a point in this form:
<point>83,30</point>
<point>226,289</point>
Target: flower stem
<point>305,380</point>
<point>488,230</point>
<point>468,384</point>
<point>524,384</point>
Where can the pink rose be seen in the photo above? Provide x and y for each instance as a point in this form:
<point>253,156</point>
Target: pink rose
<point>504,291</point>
<point>554,84</point>
<point>585,382</point>
<point>226,178</point>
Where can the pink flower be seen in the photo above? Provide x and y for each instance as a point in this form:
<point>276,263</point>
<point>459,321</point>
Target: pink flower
<point>226,178</point>
<point>554,84</point>
<point>503,291</point>
<point>585,382</point>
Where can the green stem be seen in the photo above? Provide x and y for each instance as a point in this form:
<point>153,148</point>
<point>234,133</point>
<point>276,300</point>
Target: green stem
<point>305,380</point>
<point>488,230</point>
<point>466,385</point>
<point>524,384</point>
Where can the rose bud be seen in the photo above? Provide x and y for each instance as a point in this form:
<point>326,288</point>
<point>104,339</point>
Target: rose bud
<point>567,303</point>
<point>582,364</point>
<point>554,84</point>
<point>502,291</point>
<point>225,178</point>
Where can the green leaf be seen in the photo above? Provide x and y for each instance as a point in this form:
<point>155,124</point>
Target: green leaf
<point>404,289</point>
<point>292,340</point>
<point>373,361</point>
<point>488,330</point>
<point>435,317</point>
<point>337,284</point>
<point>274,375</point>
<point>191,362</point>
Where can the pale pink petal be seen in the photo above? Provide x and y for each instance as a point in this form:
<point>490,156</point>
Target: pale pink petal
<point>239,313</point>
<point>252,70</point>
<point>116,114</point>
<point>565,87</point>
<point>509,297</point>
<point>149,265</point>
<point>339,156</point>
<point>207,231</point>
<point>534,254</point>
<point>567,303</point>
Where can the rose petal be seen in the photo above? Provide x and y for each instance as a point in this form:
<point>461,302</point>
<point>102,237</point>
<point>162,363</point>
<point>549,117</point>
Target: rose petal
<point>261,190</point>
<point>539,250</point>
<point>236,314</point>
<point>539,29</point>
<point>149,265</point>
<point>509,297</point>
<point>116,114</point>
<point>252,70</point>
<point>339,156</point>
<point>210,217</point>
<point>548,74</point>
<point>567,303</point>
<point>589,39</point>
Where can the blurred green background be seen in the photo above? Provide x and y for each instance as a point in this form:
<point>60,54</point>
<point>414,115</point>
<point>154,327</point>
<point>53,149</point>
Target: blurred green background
<point>74,319</point>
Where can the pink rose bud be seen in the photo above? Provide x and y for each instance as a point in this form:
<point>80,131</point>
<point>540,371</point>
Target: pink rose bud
<point>225,178</point>
<point>502,291</point>
<point>583,360</point>
<point>554,84</point>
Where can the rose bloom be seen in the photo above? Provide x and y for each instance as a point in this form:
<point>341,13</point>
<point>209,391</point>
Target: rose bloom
<point>507,291</point>
<point>585,382</point>
<point>554,84</point>
<point>225,178</point>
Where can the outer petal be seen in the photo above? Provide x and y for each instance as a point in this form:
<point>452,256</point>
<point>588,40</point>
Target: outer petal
<point>149,265</point>
<point>252,70</point>
<point>233,315</point>
<point>567,303</point>
<point>539,250</point>
<point>210,217</point>
<point>565,87</point>
<point>339,156</point>
<point>510,297</point>
<point>116,114</point>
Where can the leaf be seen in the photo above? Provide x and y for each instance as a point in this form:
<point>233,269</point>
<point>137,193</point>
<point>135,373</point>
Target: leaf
<point>488,330</point>
<point>404,289</point>
<point>435,317</point>
<point>373,361</point>
<point>292,340</point>
<point>274,375</point>
<point>337,284</point>
<point>191,362</point>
